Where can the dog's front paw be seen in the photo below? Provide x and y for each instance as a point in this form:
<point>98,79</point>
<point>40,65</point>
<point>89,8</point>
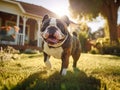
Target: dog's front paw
<point>48,64</point>
<point>64,71</point>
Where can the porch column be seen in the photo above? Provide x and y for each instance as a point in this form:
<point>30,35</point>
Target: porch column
<point>17,24</point>
<point>24,27</point>
<point>39,40</point>
<point>18,20</point>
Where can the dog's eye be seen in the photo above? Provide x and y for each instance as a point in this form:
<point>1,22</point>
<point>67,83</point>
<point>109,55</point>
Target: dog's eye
<point>61,26</point>
<point>44,26</point>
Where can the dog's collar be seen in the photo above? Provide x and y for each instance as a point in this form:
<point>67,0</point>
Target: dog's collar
<point>58,44</point>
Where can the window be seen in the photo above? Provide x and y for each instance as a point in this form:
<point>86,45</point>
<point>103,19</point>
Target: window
<point>10,23</point>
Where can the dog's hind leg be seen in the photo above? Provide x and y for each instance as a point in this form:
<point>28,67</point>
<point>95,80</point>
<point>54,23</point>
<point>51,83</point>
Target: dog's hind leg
<point>76,53</point>
<point>46,60</point>
<point>75,59</point>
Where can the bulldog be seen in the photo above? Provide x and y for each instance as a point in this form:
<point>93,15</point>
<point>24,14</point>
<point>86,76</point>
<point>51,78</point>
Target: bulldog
<point>58,42</point>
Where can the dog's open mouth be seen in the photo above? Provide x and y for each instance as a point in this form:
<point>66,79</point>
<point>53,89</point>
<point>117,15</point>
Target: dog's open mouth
<point>53,41</point>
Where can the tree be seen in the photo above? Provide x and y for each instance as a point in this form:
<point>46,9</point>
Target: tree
<point>84,35</point>
<point>91,9</point>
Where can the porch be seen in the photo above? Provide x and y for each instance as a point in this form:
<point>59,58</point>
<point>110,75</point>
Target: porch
<point>29,30</point>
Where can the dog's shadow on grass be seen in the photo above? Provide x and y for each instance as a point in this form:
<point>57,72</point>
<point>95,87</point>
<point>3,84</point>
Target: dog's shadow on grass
<point>76,80</point>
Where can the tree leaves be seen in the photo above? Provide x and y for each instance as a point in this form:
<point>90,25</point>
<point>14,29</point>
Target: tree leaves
<point>89,8</point>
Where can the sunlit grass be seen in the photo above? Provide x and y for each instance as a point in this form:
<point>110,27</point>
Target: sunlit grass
<point>94,72</point>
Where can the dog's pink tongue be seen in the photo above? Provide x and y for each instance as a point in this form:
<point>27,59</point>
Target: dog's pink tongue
<point>52,40</point>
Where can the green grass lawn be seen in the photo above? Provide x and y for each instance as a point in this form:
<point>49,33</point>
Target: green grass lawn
<point>94,72</point>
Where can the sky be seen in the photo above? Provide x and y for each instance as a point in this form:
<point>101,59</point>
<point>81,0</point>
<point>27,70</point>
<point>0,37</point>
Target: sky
<point>96,23</point>
<point>61,7</point>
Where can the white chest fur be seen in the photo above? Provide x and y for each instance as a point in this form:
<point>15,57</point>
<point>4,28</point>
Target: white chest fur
<point>55,52</point>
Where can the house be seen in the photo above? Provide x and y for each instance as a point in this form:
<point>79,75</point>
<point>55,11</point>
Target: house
<point>27,17</point>
<point>99,33</point>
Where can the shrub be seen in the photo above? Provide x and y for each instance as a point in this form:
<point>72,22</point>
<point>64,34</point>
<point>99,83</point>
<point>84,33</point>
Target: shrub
<point>113,50</point>
<point>103,46</point>
<point>8,53</point>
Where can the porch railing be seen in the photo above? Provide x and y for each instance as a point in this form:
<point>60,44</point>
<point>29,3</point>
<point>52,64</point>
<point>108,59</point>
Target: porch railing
<point>18,40</point>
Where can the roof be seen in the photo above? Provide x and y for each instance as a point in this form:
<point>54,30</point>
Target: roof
<point>33,9</point>
<point>36,10</point>
<point>39,10</point>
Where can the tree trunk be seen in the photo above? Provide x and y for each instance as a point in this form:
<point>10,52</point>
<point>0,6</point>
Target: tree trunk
<point>112,21</point>
<point>111,13</point>
<point>113,30</point>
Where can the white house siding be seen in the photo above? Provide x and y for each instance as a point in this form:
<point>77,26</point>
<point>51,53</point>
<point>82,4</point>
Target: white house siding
<point>10,8</point>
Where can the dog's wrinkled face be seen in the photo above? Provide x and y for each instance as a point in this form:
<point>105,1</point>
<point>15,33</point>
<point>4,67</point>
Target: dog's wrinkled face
<point>53,30</point>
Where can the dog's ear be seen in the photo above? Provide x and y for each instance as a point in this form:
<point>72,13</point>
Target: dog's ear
<point>45,17</point>
<point>66,20</point>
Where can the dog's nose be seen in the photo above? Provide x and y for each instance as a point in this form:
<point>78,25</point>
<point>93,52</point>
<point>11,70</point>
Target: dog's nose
<point>52,29</point>
<point>51,33</point>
